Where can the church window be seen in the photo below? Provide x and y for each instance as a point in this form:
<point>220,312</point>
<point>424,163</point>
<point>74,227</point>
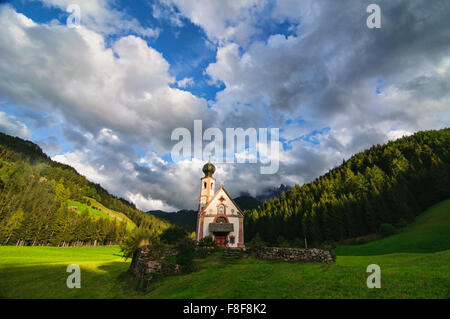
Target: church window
<point>221,209</point>
<point>221,220</point>
<point>231,239</point>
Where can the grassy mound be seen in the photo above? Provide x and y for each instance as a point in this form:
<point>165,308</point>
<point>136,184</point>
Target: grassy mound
<point>430,232</point>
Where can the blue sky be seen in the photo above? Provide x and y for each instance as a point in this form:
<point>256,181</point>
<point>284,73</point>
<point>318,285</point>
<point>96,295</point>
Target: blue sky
<point>105,97</point>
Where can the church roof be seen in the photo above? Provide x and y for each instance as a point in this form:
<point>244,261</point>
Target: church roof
<point>215,195</point>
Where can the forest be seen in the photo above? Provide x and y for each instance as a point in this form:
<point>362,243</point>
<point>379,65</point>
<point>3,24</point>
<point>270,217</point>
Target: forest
<point>386,184</point>
<point>34,191</point>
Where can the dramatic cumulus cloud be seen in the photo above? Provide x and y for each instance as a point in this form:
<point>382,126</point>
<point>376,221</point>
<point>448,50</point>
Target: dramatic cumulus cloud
<point>125,88</point>
<point>335,72</point>
<point>105,99</point>
<point>333,87</point>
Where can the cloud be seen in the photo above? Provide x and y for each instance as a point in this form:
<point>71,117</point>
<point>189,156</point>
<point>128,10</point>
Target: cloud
<point>50,145</point>
<point>102,17</point>
<point>10,125</point>
<point>185,82</point>
<point>333,87</point>
<point>72,74</point>
<point>327,73</point>
<point>396,134</point>
<point>223,21</point>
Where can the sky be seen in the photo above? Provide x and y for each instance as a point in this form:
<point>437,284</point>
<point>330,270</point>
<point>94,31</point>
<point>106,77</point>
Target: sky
<point>106,96</point>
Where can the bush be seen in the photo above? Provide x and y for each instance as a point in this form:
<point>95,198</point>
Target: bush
<point>387,230</point>
<point>207,242</point>
<point>298,243</point>
<point>185,255</point>
<point>330,248</point>
<point>173,235</point>
<point>256,243</point>
<point>140,237</point>
<point>401,223</point>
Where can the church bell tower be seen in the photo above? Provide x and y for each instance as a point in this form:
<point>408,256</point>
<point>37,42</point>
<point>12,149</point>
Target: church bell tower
<point>208,184</point>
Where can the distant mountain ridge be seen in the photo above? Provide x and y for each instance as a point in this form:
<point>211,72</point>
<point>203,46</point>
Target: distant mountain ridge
<point>273,192</point>
<point>188,218</point>
<point>183,218</point>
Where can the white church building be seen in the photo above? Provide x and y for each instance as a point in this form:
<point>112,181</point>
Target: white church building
<point>218,215</point>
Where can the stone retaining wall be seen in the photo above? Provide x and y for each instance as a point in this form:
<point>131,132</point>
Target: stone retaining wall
<point>144,264</point>
<point>295,254</point>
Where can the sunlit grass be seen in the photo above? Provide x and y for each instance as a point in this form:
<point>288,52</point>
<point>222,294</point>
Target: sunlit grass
<point>420,272</point>
<point>430,232</point>
<point>103,275</point>
<point>97,210</point>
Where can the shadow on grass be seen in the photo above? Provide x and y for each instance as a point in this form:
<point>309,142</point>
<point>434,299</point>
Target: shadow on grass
<point>98,280</point>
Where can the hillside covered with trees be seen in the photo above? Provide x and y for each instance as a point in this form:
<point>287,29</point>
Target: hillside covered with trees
<point>34,195</point>
<point>386,184</point>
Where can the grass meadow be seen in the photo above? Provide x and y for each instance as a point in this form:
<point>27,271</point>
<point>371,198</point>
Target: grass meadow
<point>415,263</point>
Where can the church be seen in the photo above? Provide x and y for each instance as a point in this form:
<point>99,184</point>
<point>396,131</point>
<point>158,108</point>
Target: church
<point>218,215</point>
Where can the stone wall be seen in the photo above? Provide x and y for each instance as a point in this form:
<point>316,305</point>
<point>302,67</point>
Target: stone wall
<point>295,254</point>
<point>144,265</point>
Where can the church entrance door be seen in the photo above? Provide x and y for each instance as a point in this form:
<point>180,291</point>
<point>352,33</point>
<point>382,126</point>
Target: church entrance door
<point>221,239</point>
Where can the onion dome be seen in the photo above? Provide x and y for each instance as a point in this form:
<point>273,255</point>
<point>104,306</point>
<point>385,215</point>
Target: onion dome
<point>209,169</point>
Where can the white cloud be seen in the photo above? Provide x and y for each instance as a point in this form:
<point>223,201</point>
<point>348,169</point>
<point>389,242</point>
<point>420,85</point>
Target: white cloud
<point>81,162</point>
<point>12,126</point>
<point>396,134</point>
<point>185,82</point>
<point>147,204</point>
<point>125,88</point>
<point>100,16</point>
<point>222,20</point>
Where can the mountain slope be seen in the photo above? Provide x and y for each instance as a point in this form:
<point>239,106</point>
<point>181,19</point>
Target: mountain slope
<point>34,192</point>
<point>183,218</point>
<point>390,183</point>
<point>430,232</point>
<point>246,202</point>
<point>274,192</point>
<point>97,210</point>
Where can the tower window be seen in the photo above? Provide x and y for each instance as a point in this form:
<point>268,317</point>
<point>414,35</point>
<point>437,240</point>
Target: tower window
<point>204,185</point>
<point>212,185</point>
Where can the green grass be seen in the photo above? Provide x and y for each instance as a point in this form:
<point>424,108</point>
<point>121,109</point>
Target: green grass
<point>40,272</point>
<point>430,232</point>
<point>103,275</point>
<point>92,211</point>
<point>25,256</point>
<point>97,210</point>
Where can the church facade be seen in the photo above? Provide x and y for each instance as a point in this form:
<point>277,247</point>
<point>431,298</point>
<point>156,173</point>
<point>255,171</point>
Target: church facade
<point>218,215</point>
